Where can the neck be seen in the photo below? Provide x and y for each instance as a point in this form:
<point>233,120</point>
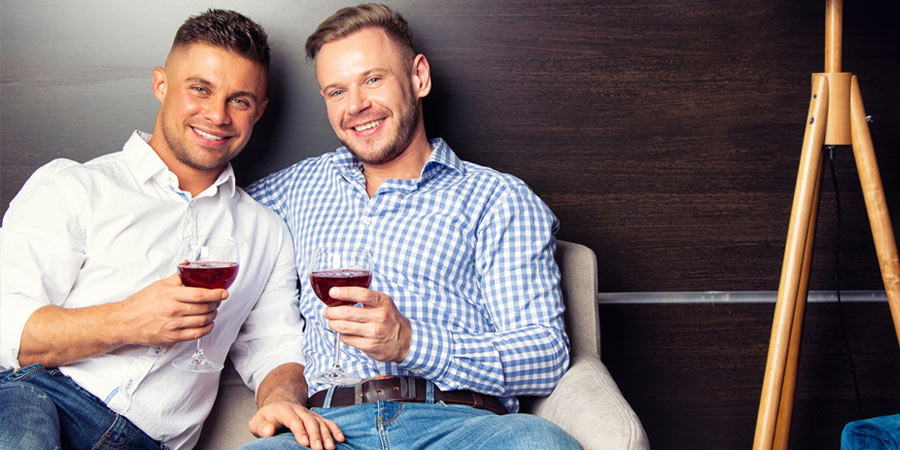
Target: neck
<point>407,166</point>
<point>190,179</point>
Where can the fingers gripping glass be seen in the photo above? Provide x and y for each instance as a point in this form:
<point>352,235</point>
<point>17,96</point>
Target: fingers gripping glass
<point>209,262</point>
<point>339,267</point>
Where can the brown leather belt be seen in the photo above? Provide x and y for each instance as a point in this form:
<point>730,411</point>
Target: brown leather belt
<point>403,389</point>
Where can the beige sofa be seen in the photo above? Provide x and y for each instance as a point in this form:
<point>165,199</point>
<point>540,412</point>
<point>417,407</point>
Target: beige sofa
<point>586,403</point>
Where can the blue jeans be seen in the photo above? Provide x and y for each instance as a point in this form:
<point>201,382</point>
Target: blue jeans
<point>877,433</point>
<point>397,425</point>
<point>44,409</point>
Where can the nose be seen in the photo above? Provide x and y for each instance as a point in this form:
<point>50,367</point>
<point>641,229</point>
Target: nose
<point>216,111</point>
<point>358,101</point>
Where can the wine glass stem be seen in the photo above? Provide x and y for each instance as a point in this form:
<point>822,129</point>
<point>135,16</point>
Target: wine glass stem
<point>336,361</point>
<point>199,353</point>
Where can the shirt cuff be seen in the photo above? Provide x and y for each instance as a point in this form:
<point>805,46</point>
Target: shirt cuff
<point>255,359</point>
<point>15,310</point>
<point>430,349</point>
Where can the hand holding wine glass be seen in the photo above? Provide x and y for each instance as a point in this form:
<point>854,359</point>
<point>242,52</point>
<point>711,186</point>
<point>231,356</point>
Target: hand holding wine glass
<point>209,262</point>
<point>339,267</point>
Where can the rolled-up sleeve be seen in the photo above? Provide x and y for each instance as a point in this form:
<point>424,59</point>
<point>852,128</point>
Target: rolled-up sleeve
<point>272,335</point>
<point>41,251</point>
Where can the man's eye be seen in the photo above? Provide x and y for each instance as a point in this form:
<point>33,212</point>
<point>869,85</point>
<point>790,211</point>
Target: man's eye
<point>199,90</point>
<point>241,102</point>
<point>373,80</point>
<point>335,93</point>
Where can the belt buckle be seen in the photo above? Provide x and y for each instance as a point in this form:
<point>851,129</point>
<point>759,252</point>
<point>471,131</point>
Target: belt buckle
<point>358,393</point>
<point>406,387</point>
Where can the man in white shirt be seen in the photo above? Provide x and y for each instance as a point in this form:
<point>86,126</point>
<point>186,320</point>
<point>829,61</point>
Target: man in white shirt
<point>92,314</point>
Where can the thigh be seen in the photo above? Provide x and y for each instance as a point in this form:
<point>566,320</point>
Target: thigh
<point>358,424</point>
<point>282,441</point>
<point>521,432</point>
<point>84,420</point>
<point>28,418</point>
<point>454,426</point>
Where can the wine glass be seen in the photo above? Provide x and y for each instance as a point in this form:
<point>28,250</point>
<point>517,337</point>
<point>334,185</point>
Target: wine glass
<point>209,262</point>
<point>339,267</point>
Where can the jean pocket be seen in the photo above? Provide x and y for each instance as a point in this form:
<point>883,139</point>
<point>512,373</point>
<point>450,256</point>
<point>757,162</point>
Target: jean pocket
<point>124,434</point>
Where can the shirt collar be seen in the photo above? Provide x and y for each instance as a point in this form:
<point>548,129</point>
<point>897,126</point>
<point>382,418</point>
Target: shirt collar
<point>147,165</point>
<point>442,157</point>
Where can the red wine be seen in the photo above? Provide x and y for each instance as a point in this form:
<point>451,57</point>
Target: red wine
<point>323,280</point>
<point>208,274</point>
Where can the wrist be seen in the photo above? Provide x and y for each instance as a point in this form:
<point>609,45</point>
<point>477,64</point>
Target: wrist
<point>405,341</point>
<point>285,383</point>
<point>117,327</point>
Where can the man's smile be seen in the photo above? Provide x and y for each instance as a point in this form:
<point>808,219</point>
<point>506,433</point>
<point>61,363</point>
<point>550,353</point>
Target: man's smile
<point>210,136</point>
<point>368,125</point>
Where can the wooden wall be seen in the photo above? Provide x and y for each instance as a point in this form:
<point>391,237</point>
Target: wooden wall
<point>693,371</point>
<point>664,134</point>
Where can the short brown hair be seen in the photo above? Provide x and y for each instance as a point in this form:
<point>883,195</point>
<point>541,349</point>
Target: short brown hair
<point>350,19</point>
<point>228,30</point>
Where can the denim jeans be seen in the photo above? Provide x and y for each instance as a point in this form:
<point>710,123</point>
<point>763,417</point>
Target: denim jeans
<point>877,433</point>
<point>44,409</point>
<point>397,425</point>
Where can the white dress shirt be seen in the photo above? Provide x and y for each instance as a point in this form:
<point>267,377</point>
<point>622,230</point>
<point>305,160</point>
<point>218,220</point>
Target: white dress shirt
<point>78,235</point>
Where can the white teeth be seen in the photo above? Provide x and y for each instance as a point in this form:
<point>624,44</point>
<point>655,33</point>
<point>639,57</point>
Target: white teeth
<point>368,125</point>
<point>208,136</point>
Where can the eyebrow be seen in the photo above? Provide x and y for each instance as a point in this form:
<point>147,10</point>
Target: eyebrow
<point>208,83</point>
<point>364,75</point>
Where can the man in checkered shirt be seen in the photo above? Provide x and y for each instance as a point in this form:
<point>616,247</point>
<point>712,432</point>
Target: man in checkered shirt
<point>464,312</point>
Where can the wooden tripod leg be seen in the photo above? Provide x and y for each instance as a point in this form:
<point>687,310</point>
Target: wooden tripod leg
<point>792,267</point>
<point>786,405</point>
<point>876,204</point>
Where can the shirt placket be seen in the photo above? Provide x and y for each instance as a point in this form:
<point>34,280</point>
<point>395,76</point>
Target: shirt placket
<point>369,224</point>
<point>121,397</point>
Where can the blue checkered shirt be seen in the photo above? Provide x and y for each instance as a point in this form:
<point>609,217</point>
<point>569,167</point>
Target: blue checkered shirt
<point>466,254</point>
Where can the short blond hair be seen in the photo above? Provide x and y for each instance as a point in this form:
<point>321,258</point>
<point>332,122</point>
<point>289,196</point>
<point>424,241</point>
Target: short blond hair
<point>348,20</point>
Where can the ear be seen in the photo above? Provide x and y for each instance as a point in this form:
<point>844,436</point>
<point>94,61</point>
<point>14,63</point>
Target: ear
<point>160,83</point>
<point>421,76</point>
<point>260,109</point>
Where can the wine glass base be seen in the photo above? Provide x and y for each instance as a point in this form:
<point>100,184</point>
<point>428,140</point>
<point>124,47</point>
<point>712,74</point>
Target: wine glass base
<point>337,378</point>
<point>197,365</point>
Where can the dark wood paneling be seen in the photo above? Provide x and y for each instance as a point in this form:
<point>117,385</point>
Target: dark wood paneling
<point>664,134</point>
<point>693,372</point>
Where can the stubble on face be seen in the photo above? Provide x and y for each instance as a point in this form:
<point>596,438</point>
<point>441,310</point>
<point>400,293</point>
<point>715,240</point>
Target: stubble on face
<point>180,150</point>
<point>406,127</point>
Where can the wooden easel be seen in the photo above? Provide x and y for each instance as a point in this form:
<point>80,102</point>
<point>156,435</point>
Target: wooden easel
<point>836,117</point>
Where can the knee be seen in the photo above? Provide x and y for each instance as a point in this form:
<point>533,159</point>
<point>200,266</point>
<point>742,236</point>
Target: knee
<point>29,417</point>
<point>875,433</point>
<point>19,397</point>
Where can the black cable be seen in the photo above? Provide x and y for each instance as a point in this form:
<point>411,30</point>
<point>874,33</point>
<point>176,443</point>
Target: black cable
<point>837,278</point>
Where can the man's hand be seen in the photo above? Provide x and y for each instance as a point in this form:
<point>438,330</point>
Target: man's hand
<point>166,312</point>
<point>280,398</point>
<point>378,328</point>
<point>309,428</point>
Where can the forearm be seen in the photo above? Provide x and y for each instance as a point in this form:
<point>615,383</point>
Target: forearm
<point>527,361</point>
<point>284,383</point>
<point>55,336</point>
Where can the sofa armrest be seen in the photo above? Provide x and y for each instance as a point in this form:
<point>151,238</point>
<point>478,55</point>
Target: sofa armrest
<point>589,406</point>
